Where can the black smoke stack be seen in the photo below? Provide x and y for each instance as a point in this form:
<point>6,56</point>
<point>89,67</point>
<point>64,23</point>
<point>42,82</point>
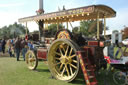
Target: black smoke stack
<point>41,22</point>
<point>41,9</point>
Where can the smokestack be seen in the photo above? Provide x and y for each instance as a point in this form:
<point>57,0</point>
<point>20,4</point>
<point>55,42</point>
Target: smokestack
<point>41,23</point>
<point>41,4</point>
<point>40,10</point>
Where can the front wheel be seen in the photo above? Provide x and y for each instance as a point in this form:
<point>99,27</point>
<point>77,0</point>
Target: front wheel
<point>31,60</point>
<point>120,77</point>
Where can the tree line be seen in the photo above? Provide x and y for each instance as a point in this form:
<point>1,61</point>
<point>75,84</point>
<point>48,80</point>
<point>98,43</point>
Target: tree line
<point>12,31</point>
<point>87,28</point>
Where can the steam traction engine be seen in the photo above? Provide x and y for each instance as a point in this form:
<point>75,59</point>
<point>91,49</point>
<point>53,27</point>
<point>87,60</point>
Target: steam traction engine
<point>66,52</point>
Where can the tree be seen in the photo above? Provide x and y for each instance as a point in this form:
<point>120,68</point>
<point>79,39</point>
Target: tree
<point>12,30</point>
<point>89,28</point>
<point>125,31</point>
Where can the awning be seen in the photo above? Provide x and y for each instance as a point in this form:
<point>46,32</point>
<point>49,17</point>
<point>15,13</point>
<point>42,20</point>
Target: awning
<point>76,14</point>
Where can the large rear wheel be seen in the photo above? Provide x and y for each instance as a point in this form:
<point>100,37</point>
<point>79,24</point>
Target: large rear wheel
<point>62,60</point>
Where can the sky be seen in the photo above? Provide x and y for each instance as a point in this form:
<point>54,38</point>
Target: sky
<point>12,10</point>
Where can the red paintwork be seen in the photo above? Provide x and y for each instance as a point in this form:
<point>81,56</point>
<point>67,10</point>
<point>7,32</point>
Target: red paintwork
<point>90,53</point>
<point>90,50</point>
<point>42,53</point>
<point>108,59</point>
<point>93,43</point>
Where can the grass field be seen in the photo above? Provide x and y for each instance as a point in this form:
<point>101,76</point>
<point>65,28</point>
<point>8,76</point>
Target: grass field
<point>14,72</point>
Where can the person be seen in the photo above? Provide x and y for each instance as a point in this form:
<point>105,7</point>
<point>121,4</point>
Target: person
<point>3,43</point>
<point>9,47</point>
<point>30,45</point>
<point>26,37</point>
<point>24,47</point>
<point>0,46</point>
<point>10,51</point>
<point>17,48</point>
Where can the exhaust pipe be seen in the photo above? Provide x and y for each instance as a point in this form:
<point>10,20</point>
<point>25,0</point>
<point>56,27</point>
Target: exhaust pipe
<point>40,10</point>
<point>41,23</point>
<point>40,4</point>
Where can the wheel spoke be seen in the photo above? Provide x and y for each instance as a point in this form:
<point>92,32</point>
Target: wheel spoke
<point>58,53</point>
<point>57,63</point>
<point>66,50</point>
<point>30,63</point>
<point>63,71</point>
<point>74,61</point>
<point>57,58</point>
<point>61,66</point>
<point>73,66</point>
<point>67,69</point>
<point>26,59</point>
<point>33,56</point>
<point>71,69</point>
<point>56,71</point>
<point>73,56</point>
<point>70,51</point>
<point>34,59</point>
<point>62,46</point>
<point>30,56</point>
<point>61,52</point>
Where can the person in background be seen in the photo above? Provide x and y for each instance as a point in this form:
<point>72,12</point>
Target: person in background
<point>24,47</point>
<point>17,47</point>
<point>30,45</point>
<point>26,37</point>
<point>9,47</point>
<point>0,45</point>
<point>3,43</point>
<point>12,47</point>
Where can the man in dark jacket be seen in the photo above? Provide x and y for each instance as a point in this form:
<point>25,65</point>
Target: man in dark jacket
<point>3,43</point>
<point>17,48</point>
<point>24,47</point>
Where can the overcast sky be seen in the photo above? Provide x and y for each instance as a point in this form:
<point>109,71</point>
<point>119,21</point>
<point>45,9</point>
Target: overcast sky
<point>12,10</point>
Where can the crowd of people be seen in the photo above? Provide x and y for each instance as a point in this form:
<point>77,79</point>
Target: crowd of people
<point>16,47</point>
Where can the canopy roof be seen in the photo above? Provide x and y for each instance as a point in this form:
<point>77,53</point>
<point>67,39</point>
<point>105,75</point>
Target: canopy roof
<point>76,14</point>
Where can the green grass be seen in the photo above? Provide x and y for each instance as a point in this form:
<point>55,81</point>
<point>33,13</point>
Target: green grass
<point>17,73</point>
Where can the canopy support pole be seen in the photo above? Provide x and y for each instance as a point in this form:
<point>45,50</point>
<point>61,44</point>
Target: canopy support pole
<point>104,27</point>
<point>47,25</point>
<point>57,25</point>
<point>67,25</point>
<point>98,29</point>
<point>26,29</point>
<point>71,25</point>
<point>41,28</point>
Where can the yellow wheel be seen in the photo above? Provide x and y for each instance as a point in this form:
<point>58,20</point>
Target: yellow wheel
<point>31,60</point>
<point>62,60</point>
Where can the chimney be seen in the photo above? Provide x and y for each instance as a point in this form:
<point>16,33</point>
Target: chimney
<point>40,10</point>
<point>41,4</point>
<point>41,23</point>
